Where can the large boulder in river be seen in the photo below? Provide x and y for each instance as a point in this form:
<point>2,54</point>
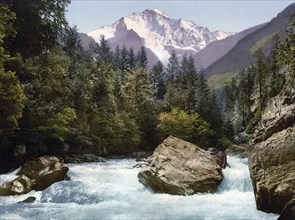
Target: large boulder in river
<point>181,168</point>
<point>44,171</point>
<point>272,158</point>
<point>36,174</point>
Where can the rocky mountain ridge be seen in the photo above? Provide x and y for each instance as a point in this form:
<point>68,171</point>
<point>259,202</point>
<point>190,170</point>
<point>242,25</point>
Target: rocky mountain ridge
<point>160,33</point>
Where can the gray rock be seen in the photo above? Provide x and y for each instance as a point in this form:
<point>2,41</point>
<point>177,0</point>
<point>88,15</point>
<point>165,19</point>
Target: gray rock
<point>181,168</point>
<point>44,171</point>
<point>272,157</point>
<point>238,151</point>
<point>20,185</point>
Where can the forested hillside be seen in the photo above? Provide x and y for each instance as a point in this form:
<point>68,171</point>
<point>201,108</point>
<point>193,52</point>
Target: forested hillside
<point>57,98</point>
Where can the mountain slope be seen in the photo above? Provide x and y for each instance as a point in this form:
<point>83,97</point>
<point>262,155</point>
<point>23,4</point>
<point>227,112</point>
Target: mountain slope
<point>243,53</point>
<point>219,48</point>
<point>159,33</point>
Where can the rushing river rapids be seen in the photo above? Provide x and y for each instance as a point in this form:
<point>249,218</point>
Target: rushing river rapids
<point>111,191</point>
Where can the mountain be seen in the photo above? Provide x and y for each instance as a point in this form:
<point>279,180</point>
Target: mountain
<point>159,33</point>
<point>243,53</point>
<point>219,48</point>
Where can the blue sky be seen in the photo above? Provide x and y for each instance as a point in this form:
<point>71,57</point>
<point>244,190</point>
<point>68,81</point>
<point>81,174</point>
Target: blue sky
<point>234,15</point>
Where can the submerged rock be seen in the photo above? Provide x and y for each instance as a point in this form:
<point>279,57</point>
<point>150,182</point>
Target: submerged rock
<point>69,192</point>
<point>272,158</point>
<point>181,168</point>
<point>30,199</point>
<point>83,158</point>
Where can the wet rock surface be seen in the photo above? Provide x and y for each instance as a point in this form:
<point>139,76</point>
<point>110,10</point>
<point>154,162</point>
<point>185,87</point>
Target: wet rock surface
<point>181,168</point>
<point>37,175</point>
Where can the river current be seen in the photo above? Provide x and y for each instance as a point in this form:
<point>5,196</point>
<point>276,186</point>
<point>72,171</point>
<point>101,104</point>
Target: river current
<point>111,191</point>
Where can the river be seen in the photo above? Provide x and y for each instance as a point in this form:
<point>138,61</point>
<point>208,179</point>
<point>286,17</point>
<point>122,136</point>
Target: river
<point>111,191</point>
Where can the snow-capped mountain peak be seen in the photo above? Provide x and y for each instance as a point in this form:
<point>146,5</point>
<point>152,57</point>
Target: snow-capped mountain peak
<point>160,33</point>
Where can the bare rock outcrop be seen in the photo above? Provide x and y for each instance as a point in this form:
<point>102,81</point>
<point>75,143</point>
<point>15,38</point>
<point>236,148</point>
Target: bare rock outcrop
<point>181,168</point>
<point>272,158</point>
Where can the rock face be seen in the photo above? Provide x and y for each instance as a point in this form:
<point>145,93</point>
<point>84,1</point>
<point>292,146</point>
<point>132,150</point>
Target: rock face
<point>288,212</point>
<point>238,151</point>
<point>272,158</point>
<point>181,168</point>
<point>36,174</point>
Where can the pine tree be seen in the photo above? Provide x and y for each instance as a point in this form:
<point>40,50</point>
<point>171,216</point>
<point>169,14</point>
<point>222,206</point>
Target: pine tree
<point>38,25</point>
<point>286,51</point>
<point>202,97</point>
<point>104,54</point>
<point>277,80</point>
<point>131,59</point>
<point>140,102</point>
<point>124,59</point>
<point>244,100</point>
<point>141,58</point>
<point>261,77</point>
<point>173,68</point>
<point>12,95</point>
<point>157,80</point>
<point>191,85</point>
<point>116,58</point>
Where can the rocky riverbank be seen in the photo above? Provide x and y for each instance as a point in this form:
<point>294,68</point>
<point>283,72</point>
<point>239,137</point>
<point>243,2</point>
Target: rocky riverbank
<point>272,158</point>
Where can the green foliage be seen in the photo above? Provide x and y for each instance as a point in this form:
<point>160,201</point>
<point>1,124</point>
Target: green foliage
<point>11,104</point>
<point>140,103</point>
<point>253,121</point>
<point>286,51</point>
<point>12,96</point>
<point>119,132</point>
<point>37,27</point>
<point>57,128</point>
<point>190,127</point>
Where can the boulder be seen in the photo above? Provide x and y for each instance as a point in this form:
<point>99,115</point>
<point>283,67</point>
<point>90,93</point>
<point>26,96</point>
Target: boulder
<point>20,185</point>
<point>238,151</point>
<point>181,168</point>
<point>220,156</point>
<point>272,155</point>
<point>279,114</point>
<point>44,171</point>
<point>288,212</point>
<point>83,158</point>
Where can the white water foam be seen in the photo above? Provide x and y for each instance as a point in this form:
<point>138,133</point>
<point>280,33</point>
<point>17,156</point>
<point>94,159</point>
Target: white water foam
<point>111,191</point>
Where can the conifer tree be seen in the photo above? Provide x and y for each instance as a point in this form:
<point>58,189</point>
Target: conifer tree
<point>124,59</point>
<point>140,102</point>
<point>131,59</point>
<point>261,77</point>
<point>104,54</point>
<point>12,96</point>
<point>141,58</point>
<point>286,51</point>
<point>173,67</point>
<point>157,80</point>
